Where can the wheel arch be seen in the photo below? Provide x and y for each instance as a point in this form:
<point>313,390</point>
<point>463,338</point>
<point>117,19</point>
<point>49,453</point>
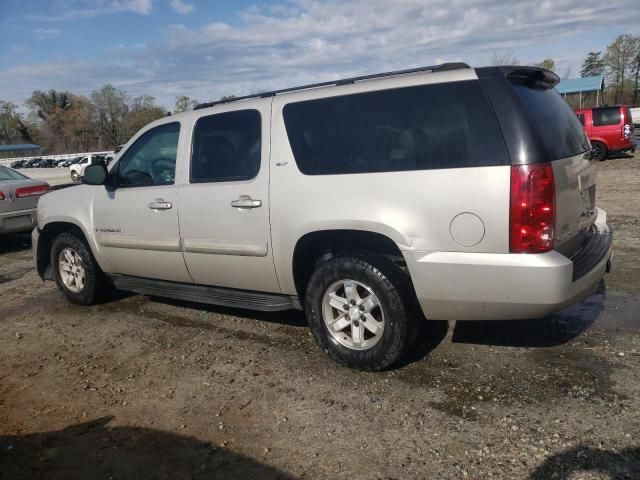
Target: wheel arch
<point>317,245</point>
<point>602,141</point>
<point>45,241</point>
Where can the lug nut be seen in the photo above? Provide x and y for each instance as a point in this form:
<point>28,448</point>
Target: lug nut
<point>363,318</point>
<point>353,302</point>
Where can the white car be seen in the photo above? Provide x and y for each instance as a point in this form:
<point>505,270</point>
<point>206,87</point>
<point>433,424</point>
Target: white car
<point>77,169</point>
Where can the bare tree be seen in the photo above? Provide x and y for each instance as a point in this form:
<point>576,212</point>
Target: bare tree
<point>619,58</point>
<point>505,57</point>
<point>111,109</point>
<point>184,103</point>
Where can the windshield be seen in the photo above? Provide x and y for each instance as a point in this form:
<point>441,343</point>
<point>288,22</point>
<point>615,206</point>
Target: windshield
<point>561,131</point>
<point>8,174</point>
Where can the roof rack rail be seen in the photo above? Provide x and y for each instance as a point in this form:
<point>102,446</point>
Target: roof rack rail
<point>344,81</point>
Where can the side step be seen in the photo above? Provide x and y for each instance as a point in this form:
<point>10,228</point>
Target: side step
<point>226,297</point>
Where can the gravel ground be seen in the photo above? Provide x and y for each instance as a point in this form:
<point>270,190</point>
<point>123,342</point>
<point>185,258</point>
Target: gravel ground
<point>148,388</point>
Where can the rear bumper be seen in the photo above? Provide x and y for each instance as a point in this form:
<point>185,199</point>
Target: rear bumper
<point>18,221</point>
<point>487,286</point>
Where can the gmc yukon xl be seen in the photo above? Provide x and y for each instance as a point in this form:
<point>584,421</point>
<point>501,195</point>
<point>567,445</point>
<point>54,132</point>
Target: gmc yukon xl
<point>371,203</point>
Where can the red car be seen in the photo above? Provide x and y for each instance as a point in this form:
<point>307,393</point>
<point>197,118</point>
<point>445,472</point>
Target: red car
<point>610,129</point>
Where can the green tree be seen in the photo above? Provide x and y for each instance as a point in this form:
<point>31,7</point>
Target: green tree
<point>13,128</point>
<point>547,63</point>
<point>592,65</point>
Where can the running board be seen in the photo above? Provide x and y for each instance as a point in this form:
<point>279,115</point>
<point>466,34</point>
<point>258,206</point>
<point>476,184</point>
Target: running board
<point>226,297</point>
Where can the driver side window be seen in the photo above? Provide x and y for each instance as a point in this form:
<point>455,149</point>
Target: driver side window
<point>151,160</point>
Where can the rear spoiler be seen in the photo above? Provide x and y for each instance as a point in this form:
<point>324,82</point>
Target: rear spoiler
<point>532,77</point>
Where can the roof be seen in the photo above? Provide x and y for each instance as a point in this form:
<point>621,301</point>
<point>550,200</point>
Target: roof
<point>19,147</point>
<point>344,81</point>
<point>582,84</point>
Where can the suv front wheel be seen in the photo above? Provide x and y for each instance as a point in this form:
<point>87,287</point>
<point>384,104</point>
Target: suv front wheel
<point>358,309</point>
<point>76,272</point>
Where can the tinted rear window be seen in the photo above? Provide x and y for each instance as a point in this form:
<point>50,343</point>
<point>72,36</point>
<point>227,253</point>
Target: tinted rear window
<point>606,116</point>
<point>448,125</point>
<point>8,174</point>
<point>561,131</point>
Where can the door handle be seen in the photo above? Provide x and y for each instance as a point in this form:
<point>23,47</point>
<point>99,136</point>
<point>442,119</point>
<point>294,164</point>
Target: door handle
<point>245,201</point>
<point>160,204</point>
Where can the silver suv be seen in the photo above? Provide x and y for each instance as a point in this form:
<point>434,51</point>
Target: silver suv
<point>372,203</point>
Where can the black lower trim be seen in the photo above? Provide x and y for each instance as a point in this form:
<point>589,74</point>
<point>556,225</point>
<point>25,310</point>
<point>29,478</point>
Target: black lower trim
<point>631,149</point>
<point>591,253</point>
<point>226,297</point>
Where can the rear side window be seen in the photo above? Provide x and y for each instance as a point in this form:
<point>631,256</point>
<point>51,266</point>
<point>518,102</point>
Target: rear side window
<point>606,116</point>
<point>448,125</point>
<point>561,131</point>
<point>226,147</point>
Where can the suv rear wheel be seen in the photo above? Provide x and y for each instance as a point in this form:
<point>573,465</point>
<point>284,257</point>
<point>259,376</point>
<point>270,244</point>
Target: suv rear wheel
<point>359,311</point>
<point>599,150</point>
<point>76,272</point>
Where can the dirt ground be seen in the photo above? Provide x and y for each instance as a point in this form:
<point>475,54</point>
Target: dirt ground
<point>148,388</point>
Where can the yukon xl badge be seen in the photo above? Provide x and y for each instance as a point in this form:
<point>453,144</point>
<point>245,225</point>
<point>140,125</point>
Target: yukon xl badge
<point>108,230</point>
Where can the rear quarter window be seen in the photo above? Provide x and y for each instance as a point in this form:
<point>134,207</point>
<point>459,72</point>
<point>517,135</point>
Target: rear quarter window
<point>448,125</point>
<point>606,116</point>
<point>561,131</point>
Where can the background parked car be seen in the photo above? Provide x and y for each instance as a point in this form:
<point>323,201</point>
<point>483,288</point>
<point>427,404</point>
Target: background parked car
<point>18,200</point>
<point>30,163</point>
<point>609,129</point>
<point>77,169</point>
<point>18,164</point>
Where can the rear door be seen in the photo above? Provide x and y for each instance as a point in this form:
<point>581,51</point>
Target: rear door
<point>224,207</point>
<point>607,124</point>
<point>569,151</point>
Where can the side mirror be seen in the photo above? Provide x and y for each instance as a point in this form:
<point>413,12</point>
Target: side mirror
<point>95,174</point>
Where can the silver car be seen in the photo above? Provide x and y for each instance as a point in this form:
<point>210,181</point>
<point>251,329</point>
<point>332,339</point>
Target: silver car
<point>18,200</point>
<point>371,203</point>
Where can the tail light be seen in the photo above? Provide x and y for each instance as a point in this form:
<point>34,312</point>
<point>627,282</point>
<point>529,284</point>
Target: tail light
<point>2,197</point>
<point>626,132</point>
<point>532,212</point>
<point>32,191</point>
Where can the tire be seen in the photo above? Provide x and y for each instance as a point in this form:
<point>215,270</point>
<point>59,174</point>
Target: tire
<point>75,176</point>
<point>94,285</point>
<point>368,275</point>
<point>599,150</point>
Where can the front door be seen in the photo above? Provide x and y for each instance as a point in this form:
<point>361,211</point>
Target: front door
<point>136,225</point>
<point>224,205</point>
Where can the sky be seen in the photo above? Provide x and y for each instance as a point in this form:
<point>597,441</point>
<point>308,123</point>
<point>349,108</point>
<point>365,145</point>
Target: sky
<point>207,48</point>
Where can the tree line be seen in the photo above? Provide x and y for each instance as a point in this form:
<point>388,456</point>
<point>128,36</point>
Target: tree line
<point>65,122</point>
